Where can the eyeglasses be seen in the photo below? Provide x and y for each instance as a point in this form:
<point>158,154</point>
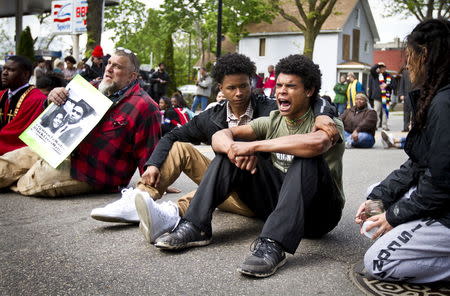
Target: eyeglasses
<point>125,50</point>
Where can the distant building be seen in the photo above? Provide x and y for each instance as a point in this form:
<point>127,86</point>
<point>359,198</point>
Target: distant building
<point>392,54</point>
<point>344,44</point>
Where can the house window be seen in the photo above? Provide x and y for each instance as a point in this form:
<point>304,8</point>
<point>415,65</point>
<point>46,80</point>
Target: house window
<point>357,17</point>
<point>366,46</point>
<point>346,47</point>
<point>262,47</point>
<point>355,45</point>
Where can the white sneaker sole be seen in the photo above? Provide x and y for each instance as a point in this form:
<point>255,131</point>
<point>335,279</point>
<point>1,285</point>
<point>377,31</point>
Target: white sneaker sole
<point>262,275</point>
<point>144,215</point>
<point>115,219</point>
<point>166,246</point>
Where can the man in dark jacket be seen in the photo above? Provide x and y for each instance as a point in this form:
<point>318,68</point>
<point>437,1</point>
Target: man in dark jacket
<point>380,89</point>
<point>159,80</point>
<point>360,123</point>
<point>174,153</point>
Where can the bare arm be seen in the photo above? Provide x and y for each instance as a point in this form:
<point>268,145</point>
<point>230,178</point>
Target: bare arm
<point>302,145</point>
<point>222,140</point>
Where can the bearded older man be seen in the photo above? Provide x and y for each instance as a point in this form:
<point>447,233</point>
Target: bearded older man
<point>108,157</point>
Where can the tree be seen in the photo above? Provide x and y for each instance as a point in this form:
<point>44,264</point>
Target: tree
<point>309,20</point>
<point>125,19</point>
<point>421,9</point>
<point>7,43</point>
<point>25,47</point>
<point>94,22</point>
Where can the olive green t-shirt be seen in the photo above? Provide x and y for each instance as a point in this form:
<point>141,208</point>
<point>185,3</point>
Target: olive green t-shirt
<point>275,126</point>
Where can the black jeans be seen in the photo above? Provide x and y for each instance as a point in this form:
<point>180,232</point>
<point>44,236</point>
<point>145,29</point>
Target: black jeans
<point>302,202</point>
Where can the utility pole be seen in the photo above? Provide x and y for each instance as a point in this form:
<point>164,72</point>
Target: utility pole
<point>219,29</point>
<point>19,14</point>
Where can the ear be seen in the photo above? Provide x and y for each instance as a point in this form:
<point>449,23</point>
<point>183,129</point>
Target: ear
<point>309,92</point>
<point>220,86</point>
<point>133,76</point>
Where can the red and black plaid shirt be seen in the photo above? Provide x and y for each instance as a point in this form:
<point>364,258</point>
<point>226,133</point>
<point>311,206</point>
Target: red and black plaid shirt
<point>123,140</point>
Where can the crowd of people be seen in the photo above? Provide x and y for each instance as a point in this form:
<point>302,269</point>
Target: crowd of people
<point>278,160</point>
<point>382,88</point>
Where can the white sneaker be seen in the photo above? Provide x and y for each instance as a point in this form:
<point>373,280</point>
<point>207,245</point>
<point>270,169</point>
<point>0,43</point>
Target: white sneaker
<point>122,210</point>
<point>156,218</point>
<point>388,140</point>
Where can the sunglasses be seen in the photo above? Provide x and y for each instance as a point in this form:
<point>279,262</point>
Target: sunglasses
<point>125,50</point>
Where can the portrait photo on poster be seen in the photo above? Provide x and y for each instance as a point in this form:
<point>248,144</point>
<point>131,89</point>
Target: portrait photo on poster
<point>59,129</point>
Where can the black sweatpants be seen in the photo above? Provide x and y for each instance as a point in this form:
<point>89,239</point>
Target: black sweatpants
<point>302,202</point>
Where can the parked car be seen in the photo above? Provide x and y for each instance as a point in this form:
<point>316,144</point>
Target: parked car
<point>188,89</point>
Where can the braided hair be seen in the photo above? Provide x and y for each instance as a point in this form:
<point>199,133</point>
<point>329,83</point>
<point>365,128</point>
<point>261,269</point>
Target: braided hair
<point>428,48</point>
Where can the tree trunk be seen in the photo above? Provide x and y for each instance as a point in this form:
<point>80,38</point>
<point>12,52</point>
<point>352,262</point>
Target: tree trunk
<point>94,23</point>
<point>310,38</point>
<point>170,64</point>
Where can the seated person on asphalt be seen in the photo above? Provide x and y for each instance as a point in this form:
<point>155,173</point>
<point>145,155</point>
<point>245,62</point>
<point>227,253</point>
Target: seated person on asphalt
<point>289,175</point>
<point>108,157</point>
<point>174,153</point>
<point>413,233</point>
<point>360,123</point>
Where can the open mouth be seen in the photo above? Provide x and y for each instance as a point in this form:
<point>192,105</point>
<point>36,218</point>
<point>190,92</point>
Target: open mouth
<point>284,105</point>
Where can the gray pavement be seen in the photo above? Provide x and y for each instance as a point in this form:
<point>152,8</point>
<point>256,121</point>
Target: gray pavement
<point>53,247</point>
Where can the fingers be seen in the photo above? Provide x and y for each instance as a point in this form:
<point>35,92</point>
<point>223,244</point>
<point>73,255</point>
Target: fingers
<point>58,95</point>
<point>251,165</point>
<point>151,176</point>
<point>360,213</point>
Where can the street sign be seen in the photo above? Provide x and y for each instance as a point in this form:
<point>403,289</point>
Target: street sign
<point>62,14</point>
<point>69,16</point>
<point>80,13</point>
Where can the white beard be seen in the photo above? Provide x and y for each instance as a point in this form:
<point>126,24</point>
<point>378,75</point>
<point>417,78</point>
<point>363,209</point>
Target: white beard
<point>107,88</point>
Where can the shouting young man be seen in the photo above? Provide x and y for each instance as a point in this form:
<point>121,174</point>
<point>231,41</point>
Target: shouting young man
<point>289,175</point>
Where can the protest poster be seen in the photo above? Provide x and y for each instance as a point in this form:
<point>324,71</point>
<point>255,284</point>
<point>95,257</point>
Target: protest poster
<point>59,129</point>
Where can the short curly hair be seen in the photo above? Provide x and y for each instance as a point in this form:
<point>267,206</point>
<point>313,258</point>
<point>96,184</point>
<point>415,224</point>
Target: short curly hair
<point>233,63</point>
<point>303,67</point>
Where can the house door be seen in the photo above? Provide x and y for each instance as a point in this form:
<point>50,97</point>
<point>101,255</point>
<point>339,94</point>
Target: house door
<point>355,45</point>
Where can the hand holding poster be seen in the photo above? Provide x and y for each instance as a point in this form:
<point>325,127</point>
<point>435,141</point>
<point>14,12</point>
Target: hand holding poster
<point>59,129</point>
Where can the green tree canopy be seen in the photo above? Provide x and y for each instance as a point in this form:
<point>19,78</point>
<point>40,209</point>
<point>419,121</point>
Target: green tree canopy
<point>421,9</point>
<point>25,47</point>
<point>308,17</point>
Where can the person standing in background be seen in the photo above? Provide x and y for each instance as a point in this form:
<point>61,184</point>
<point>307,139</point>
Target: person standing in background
<point>203,91</point>
<point>380,93</point>
<point>159,79</point>
<point>404,88</point>
<point>269,83</point>
<point>341,94</point>
<point>70,71</point>
<point>354,87</point>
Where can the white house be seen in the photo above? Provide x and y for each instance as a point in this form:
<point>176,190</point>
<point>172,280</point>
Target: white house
<point>344,44</point>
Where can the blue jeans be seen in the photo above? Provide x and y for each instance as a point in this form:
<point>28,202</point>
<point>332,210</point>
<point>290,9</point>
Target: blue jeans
<point>341,107</point>
<point>197,100</point>
<point>365,140</point>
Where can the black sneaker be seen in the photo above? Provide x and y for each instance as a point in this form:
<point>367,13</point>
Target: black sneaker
<point>267,256</point>
<point>185,235</point>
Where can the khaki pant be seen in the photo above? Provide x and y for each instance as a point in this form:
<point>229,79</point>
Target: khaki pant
<point>381,115</point>
<point>183,157</point>
<point>36,177</point>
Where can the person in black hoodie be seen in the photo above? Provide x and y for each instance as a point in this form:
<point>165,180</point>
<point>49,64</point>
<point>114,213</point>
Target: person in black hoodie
<point>414,232</point>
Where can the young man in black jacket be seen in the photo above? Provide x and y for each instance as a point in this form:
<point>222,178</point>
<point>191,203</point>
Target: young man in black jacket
<point>175,154</point>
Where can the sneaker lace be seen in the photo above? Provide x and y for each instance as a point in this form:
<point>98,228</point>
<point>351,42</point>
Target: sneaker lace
<point>127,198</point>
<point>262,245</point>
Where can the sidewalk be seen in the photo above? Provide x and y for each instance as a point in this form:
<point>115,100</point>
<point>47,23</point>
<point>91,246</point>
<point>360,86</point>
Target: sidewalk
<point>53,247</point>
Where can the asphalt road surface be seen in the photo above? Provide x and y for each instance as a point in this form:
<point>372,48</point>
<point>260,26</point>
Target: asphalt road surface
<point>52,246</point>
